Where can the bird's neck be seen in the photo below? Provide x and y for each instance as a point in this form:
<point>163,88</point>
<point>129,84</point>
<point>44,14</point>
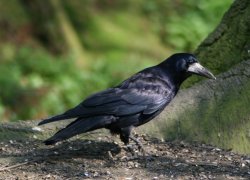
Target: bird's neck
<point>177,78</point>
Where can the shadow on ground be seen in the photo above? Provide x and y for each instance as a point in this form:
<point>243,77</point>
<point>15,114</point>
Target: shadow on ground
<point>103,158</point>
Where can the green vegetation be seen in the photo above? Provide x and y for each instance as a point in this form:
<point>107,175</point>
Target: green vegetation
<point>44,71</point>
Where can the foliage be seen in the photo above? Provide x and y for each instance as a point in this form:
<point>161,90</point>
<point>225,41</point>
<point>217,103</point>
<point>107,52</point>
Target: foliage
<point>183,24</point>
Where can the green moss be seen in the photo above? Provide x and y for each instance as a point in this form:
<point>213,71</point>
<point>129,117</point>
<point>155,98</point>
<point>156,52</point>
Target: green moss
<point>224,122</point>
<point>229,43</point>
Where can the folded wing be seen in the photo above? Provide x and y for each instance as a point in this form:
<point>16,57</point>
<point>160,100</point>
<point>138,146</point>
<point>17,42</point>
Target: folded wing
<point>131,97</point>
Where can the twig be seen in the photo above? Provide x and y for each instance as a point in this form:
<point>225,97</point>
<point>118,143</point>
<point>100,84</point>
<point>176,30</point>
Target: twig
<point>110,155</point>
<point>17,165</point>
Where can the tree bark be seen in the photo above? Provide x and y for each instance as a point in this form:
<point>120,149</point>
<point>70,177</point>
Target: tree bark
<point>218,111</point>
<point>229,43</point>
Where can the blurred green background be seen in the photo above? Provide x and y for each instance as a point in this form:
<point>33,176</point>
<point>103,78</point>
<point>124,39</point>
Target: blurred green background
<point>54,53</point>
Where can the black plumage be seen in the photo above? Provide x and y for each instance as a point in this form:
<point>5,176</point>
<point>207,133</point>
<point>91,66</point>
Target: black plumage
<point>134,102</point>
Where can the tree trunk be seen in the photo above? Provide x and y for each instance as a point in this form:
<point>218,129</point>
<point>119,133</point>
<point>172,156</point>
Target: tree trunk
<point>53,28</point>
<point>229,44</point>
<point>69,34</point>
<point>218,111</point>
<point>45,25</point>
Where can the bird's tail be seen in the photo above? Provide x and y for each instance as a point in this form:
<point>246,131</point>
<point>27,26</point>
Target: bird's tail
<point>80,125</point>
<point>53,119</point>
<point>71,113</point>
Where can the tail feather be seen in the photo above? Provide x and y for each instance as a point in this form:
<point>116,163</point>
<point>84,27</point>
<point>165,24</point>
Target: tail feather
<point>71,113</point>
<point>54,118</point>
<point>79,126</point>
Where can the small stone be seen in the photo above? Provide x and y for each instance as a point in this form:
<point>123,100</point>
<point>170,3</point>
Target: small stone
<point>86,174</point>
<point>248,161</point>
<point>229,158</point>
<point>130,164</point>
<point>96,174</point>
<point>216,149</point>
<point>161,176</point>
<point>185,150</point>
<point>37,129</point>
<point>55,152</point>
<point>136,164</point>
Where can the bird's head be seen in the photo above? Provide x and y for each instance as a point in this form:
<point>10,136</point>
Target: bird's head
<point>187,64</point>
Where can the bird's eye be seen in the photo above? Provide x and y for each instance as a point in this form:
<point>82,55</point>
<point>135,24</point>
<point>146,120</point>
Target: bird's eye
<point>191,60</point>
<point>188,62</point>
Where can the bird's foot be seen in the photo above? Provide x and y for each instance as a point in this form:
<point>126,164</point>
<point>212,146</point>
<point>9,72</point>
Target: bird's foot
<point>131,148</point>
<point>146,156</point>
<point>136,151</point>
<point>139,145</point>
<point>136,155</point>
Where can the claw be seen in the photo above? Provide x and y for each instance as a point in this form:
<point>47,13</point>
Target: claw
<point>139,144</point>
<point>141,149</point>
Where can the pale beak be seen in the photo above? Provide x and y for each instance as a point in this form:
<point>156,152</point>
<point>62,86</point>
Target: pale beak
<point>198,69</point>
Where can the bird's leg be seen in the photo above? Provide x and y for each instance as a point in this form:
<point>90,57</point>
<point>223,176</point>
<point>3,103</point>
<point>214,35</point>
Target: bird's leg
<point>125,136</point>
<point>141,148</point>
<point>132,150</point>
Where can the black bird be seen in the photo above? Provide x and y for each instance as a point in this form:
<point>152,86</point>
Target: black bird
<point>132,103</point>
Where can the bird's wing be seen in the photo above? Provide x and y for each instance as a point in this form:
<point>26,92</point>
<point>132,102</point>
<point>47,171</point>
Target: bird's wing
<point>138,94</point>
<point>152,92</point>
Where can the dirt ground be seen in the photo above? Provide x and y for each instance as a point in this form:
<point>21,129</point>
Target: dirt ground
<point>103,158</point>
